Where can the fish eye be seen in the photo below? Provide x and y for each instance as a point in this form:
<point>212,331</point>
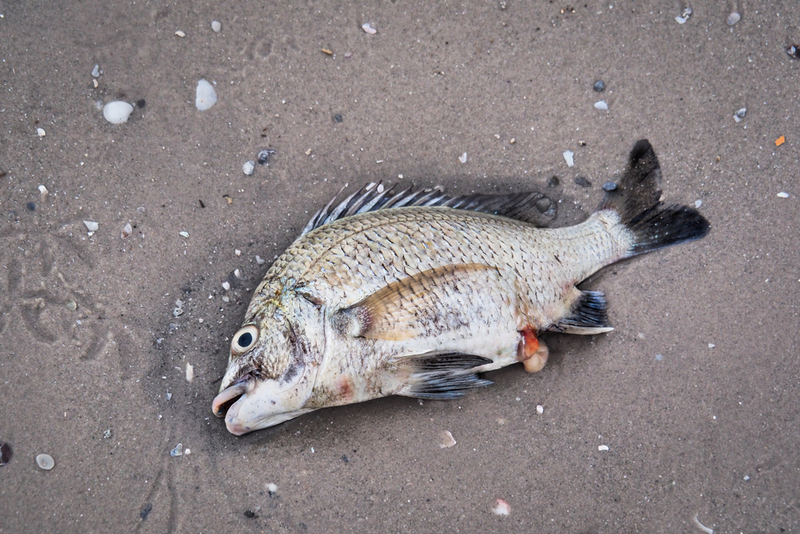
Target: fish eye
<point>244,339</point>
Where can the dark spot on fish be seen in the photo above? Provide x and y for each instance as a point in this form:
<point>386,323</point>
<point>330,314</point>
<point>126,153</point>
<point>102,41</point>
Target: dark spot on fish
<point>5,453</point>
<point>290,372</point>
<point>145,511</point>
<point>583,181</point>
<point>249,514</point>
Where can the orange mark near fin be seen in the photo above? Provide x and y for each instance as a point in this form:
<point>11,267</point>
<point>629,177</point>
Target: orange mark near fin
<point>531,352</point>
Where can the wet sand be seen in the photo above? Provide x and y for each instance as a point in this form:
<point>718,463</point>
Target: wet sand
<point>695,393</point>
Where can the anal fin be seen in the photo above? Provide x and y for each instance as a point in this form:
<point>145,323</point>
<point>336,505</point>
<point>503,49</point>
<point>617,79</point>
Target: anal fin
<point>443,375</point>
<point>588,316</point>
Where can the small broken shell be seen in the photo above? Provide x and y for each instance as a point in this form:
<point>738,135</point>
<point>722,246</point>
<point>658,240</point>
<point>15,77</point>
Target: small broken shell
<point>45,461</point>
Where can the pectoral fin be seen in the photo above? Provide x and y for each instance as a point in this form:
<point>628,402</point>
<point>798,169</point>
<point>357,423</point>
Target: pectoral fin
<point>442,375</point>
<point>410,307</point>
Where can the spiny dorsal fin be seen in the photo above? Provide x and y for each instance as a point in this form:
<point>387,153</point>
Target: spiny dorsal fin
<point>532,207</point>
<point>410,306</point>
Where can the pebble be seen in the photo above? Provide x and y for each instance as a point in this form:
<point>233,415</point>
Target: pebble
<point>337,118</point>
<point>91,226</point>
<point>107,433</point>
<point>205,95</point>
<point>602,105</point>
<point>698,203</point>
<point>602,447</point>
<point>684,16</point>
<point>40,132</point>
<point>45,461</point>
<point>117,112</point>
<point>43,190</point>
<point>72,305</point>
<point>177,451</point>
<point>501,507</point>
<point>583,181</point>
<point>271,488</point>
<point>249,167</point>
<point>463,158</point>
<point>189,372</point>
<point>609,186</point>
<point>733,18</point>
<point>783,194</point>
<point>31,206</point>
<point>5,453</point>
<point>447,440</point>
<point>539,409</point>
<point>96,71</point>
<point>711,345</point>
<point>367,27</point>
<point>264,155</point>
<point>183,234</point>
<point>179,33</point>
<point>740,114</point>
<point>127,230</point>
<point>793,51</point>
<point>216,26</point>
<point>599,86</point>
<point>260,260</point>
<point>568,158</point>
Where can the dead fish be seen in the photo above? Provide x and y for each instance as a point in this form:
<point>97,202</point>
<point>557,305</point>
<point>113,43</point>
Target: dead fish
<point>418,293</point>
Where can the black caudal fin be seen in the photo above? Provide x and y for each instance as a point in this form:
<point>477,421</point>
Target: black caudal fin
<point>637,201</point>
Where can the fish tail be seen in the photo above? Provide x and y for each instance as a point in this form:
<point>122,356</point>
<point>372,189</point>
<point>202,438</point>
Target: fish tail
<point>637,201</point>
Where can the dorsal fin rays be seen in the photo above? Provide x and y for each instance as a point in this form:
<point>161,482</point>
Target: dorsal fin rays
<point>532,207</point>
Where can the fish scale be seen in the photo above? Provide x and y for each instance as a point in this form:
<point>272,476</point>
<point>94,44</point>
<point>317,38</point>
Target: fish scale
<point>375,299</point>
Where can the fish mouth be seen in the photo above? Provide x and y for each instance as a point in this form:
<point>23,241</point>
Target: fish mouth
<point>228,396</point>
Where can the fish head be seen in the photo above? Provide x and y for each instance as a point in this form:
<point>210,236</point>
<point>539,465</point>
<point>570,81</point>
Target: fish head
<point>274,358</point>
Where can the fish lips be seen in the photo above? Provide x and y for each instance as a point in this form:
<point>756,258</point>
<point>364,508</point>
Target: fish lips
<point>249,405</point>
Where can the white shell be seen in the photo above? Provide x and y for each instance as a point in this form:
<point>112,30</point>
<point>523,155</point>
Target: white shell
<point>216,26</point>
<point>367,27</point>
<point>91,226</point>
<point>248,167</point>
<point>117,112</point>
<point>568,158</point>
<point>206,95</point>
<point>601,105</point>
<point>45,461</point>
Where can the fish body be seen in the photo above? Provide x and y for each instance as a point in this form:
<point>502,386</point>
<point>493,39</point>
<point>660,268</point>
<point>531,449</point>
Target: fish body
<point>418,300</point>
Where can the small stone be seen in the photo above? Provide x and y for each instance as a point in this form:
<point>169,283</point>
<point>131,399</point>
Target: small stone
<point>446,440</point>
<point>40,132</point>
<point>45,461</point>
<point>189,372</point>
<point>107,433</point>
<point>91,226</point>
<point>216,26</point>
<point>31,206</point>
<point>602,448</point>
<point>72,305</point>
<point>205,95</point>
<point>264,155</point>
<point>5,453</point>
<point>711,345</point>
<point>260,260</point>
<point>179,33</point>
<point>337,118</point>
<point>602,105</point>
<point>783,194</point>
<point>463,158</point>
<point>183,234</point>
<point>740,113</point>
<point>793,51</point>
<point>168,395</point>
<point>177,451</point>
<point>367,27</point>
<point>583,181</point>
<point>127,230</point>
<point>308,152</point>
<point>553,181</point>
<point>249,167</point>
<point>698,203</point>
<point>733,18</point>
<point>96,71</point>
<point>501,507</point>
<point>539,409</point>
<point>271,488</point>
<point>568,157</point>
<point>141,103</point>
<point>609,186</point>
<point>43,190</point>
<point>187,451</point>
<point>226,285</point>
<point>746,478</point>
<point>599,86</point>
